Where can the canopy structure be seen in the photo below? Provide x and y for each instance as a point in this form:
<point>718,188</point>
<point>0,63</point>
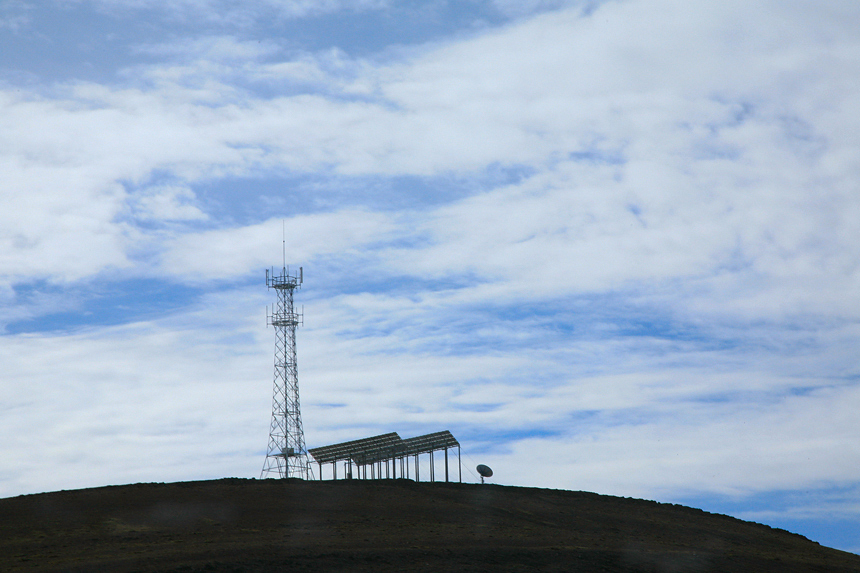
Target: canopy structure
<point>429,443</point>
<point>384,452</point>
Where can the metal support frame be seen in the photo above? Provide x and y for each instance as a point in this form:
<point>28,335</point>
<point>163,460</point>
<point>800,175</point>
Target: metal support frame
<point>371,455</point>
<point>286,455</point>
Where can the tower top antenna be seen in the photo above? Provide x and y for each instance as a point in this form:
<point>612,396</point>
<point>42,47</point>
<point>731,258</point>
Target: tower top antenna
<point>284,241</point>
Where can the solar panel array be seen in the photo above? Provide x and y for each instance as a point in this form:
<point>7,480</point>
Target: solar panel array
<point>383,447</point>
<point>364,451</point>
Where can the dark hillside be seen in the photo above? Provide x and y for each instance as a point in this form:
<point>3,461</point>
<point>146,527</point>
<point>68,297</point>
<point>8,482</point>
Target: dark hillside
<point>386,525</point>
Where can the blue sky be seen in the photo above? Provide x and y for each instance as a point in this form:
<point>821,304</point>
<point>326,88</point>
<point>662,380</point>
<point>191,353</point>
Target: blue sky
<point>610,245</point>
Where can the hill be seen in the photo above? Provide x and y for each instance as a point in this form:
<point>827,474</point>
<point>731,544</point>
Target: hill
<point>386,525</point>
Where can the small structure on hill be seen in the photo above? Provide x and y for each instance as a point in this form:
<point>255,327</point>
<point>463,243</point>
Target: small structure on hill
<point>369,458</point>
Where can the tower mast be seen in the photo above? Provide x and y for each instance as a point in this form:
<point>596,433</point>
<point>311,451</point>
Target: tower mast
<point>286,455</point>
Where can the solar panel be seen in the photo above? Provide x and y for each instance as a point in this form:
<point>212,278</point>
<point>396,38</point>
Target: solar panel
<point>363,451</point>
<point>430,443</point>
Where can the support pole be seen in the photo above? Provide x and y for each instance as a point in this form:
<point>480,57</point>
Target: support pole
<point>446,464</point>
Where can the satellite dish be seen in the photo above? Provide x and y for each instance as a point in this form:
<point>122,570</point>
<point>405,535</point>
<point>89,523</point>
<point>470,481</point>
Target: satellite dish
<point>485,471</point>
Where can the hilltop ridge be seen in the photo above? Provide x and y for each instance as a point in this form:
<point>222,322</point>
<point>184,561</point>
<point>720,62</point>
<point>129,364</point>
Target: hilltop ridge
<point>253,526</point>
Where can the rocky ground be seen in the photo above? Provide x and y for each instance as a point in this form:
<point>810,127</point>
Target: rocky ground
<point>384,525</point>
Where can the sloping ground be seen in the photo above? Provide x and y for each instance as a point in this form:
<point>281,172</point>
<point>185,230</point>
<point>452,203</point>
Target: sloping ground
<point>391,525</point>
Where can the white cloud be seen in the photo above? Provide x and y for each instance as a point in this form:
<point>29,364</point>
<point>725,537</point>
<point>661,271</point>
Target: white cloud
<point>61,200</point>
<point>213,48</point>
<point>14,15</point>
<point>519,8</point>
<point>167,203</point>
<point>198,384</point>
<point>239,13</point>
<point>729,447</point>
<point>141,402</point>
<point>230,252</point>
<point>716,164</point>
<point>835,505</point>
<point>655,160</point>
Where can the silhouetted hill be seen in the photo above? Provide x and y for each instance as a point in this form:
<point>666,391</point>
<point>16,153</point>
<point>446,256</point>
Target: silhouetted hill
<point>386,525</point>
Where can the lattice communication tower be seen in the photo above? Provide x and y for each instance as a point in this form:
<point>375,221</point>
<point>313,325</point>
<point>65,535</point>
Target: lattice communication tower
<point>286,455</point>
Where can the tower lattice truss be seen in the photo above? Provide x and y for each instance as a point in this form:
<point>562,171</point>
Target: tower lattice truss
<point>286,455</point>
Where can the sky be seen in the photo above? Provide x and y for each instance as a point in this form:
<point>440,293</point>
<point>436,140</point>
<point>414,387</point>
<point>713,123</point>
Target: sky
<point>612,245</point>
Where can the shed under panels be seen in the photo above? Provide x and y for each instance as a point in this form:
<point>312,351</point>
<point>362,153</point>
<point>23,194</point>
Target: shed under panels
<point>384,453</point>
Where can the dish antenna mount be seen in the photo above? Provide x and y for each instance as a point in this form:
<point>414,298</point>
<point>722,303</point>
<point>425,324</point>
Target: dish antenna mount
<point>485,471</point>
